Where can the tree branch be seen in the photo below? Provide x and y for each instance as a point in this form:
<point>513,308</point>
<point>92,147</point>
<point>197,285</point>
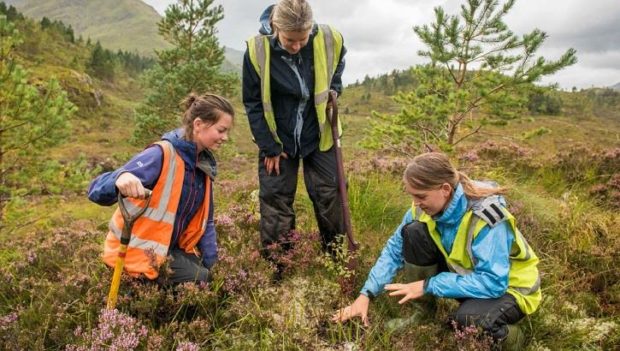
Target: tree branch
<point>468,135</point>
<point>426,129</point>
<point>12,127</point>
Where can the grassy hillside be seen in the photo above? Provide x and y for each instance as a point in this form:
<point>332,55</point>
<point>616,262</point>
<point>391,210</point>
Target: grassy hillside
<point>234,60</point>
<point>129,25</point>
<point>564,192</point>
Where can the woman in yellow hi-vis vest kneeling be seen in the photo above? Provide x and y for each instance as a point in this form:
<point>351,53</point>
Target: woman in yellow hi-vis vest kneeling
<point>457,241</point>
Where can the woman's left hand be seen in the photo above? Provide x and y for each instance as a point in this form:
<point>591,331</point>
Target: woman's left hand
<point>410,291</point>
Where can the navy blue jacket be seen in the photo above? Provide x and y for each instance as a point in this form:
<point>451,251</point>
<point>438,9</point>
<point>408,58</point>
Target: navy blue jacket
<point>287,97</point>
<point>147,166</point>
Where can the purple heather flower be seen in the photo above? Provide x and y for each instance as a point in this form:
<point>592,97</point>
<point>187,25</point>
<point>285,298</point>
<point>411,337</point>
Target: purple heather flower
<point>7,321</point>
<point>187,346</point>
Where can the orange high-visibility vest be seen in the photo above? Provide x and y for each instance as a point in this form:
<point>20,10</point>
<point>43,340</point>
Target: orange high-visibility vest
<point>152,232</point>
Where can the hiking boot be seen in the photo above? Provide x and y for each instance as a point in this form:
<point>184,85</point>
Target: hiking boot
<point>424,308</point>
<point>515,340</point>
<point>413,272</point>
<point>422,312</point>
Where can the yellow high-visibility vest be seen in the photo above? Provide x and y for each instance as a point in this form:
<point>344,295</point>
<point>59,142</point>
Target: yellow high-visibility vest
<point>523,277</point>
<point>327,47</point>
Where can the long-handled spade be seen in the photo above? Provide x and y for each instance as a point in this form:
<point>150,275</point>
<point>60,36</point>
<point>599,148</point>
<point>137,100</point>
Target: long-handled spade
<point>122,250</point>
<point>352,245</point>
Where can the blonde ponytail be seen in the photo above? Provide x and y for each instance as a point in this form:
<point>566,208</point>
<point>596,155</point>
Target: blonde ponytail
<point>430,170</point>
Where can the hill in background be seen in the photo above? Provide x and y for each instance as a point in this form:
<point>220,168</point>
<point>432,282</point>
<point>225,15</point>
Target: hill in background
<point>616,87</point>
<point>233,60</point>
<point>129,25</point>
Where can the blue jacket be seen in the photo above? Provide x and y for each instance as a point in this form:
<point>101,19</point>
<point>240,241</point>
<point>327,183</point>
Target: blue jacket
<point>292,97</point>
<point>491,248</point>
<point>147,166</point>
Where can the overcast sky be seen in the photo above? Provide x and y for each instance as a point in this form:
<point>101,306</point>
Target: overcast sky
<point>379,35</point>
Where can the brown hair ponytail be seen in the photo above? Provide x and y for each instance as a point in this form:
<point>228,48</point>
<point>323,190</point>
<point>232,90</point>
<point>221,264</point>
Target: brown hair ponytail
<point>207,107</point>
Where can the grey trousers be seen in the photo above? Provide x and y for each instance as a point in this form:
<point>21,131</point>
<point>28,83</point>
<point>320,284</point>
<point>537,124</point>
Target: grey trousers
<point>186,268</point>
<point>277,194</point>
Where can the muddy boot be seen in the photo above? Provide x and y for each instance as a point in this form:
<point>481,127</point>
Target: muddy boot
<point>413,272</point>
<point>424,307</point>
<point>515,340</point>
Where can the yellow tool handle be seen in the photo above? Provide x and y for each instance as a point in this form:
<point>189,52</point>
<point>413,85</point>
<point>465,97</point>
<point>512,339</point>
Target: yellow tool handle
<point>116,278</point>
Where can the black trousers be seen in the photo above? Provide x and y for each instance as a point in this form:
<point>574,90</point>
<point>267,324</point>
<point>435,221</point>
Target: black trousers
<point>277,194</point>
<point>492,315</point>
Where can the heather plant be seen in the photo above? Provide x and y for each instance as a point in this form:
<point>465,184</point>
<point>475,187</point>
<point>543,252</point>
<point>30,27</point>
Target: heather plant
<point>243,272</point>
<point>594,171</point>
<point>9,330</point>
<point>50,287</point>
<point>115,330</point>
<point>507,155</point>
<point>470,338</point>
<point>338,261</point>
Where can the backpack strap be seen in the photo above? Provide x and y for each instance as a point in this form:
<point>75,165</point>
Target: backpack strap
<point>489,209</point>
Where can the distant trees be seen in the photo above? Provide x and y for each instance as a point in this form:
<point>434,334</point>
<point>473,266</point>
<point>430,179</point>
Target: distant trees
<point>477,65</point>
<point>103,63</point>
<point>193,64</point>
<point>10,12</point>
<point>545,102</point>
<point>33,116</point>
<point>64,30</point>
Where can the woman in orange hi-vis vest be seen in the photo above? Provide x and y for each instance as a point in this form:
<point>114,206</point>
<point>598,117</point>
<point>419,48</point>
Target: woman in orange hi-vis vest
<point>178,223</point>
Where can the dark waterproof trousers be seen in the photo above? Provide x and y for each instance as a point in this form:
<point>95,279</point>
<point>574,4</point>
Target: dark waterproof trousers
<point>492,315</point>
<point>277,194</point>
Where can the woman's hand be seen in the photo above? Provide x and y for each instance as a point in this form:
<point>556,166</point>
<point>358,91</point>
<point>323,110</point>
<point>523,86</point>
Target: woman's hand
<point>359,307</point>
<point>273,163</point>
<point>130,186</point>
<point>411,291</point>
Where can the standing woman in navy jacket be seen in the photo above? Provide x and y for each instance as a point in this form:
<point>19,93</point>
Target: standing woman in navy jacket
<point>179,170</point>
<point>288,71</point>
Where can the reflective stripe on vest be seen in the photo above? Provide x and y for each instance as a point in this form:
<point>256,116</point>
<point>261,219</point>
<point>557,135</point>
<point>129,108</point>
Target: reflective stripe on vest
<point>523,280</point>
<point>152,232</point>
<point>327,47</point>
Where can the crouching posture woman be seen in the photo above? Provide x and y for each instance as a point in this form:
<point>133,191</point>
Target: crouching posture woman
<point>457,241</point>
<point>178,223</point>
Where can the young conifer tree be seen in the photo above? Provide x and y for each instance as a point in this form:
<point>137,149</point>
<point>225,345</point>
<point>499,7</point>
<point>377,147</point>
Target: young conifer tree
<point>191,64</point>
<point>32,117</point>
<point>479,72</point>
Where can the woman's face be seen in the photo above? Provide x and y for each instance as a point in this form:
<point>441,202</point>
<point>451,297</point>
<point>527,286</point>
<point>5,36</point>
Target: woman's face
<point>431,201</point>
<point>212,136</point>
<point>292,42</point>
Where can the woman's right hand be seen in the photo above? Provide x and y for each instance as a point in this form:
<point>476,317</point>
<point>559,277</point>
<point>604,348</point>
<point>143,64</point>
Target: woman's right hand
<point>130,186</point>
<point>359,308</point>
<point>273,163</point>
